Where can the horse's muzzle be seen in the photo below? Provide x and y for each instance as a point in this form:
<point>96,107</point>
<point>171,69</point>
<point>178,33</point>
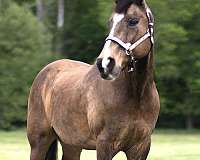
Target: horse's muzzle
<point>106,67</point>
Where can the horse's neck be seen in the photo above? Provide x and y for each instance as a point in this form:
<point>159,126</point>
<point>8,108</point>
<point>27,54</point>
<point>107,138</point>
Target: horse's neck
<point>139,80</point>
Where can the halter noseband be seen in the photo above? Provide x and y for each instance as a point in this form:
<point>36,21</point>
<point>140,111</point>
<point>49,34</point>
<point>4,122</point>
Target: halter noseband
<point>129,47</point>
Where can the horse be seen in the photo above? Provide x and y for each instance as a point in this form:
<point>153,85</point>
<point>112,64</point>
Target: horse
<point>111,106</point>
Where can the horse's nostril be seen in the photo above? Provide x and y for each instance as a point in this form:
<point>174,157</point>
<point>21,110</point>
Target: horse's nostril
<point>111,64</point>
<point>99,64</point>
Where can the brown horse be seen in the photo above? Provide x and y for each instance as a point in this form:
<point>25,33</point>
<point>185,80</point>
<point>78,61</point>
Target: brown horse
<point>111,106</point>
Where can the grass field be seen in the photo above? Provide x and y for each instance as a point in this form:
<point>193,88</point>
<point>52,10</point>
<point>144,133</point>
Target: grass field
<point>166,145</point>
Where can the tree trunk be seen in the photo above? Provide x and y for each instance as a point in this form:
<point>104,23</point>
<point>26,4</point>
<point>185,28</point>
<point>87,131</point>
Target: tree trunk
<point>189,122</point>
<point>60,24</point>
<point>40,9</point>
<point>60,18</point>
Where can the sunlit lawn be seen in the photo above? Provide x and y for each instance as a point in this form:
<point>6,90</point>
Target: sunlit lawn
<point>167,145</point>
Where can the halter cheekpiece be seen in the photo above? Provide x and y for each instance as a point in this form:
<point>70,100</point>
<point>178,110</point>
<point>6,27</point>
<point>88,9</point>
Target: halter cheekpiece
<point>129,47</point>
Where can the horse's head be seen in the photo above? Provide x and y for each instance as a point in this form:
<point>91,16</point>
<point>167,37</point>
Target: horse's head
<point>130,38</point>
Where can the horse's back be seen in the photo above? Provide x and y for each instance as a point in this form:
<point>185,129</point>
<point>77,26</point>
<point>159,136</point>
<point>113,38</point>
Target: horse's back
<point>66,65</point>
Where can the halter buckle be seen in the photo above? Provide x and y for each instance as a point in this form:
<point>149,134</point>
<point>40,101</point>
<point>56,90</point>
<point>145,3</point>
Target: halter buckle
<point>132,64</point>
<point>128,53</point>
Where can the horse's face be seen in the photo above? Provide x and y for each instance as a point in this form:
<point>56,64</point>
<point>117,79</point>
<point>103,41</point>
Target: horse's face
<point>128,23</point>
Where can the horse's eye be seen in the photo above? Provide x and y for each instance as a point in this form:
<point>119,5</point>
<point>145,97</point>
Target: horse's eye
<point>133,22</point>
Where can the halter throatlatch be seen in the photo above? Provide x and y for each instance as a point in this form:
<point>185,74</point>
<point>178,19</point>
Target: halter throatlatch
<point>129,47</point>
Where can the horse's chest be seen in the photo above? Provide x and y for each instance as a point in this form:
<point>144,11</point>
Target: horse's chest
<point>121,129</point>
<point>131,132</point>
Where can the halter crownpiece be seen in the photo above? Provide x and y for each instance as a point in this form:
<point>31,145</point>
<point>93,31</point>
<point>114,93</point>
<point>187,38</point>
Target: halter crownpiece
<point>129,47</point>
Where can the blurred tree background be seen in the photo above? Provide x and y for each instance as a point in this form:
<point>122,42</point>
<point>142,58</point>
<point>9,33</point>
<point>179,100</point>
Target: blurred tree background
<point>33,33</point>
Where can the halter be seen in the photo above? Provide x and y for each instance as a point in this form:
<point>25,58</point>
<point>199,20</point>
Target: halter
<point>129,47</point>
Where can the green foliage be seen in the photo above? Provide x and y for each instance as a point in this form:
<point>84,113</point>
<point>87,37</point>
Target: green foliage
<point>83,35</point>
<point>24,46</point>
<point>178,56</point>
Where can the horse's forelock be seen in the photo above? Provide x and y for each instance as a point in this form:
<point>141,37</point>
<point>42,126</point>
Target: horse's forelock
<point>123,5</point>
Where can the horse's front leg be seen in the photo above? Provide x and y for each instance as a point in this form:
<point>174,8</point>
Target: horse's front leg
<point>104,149</point>
<point>71,152</point>
<point>139,151</point>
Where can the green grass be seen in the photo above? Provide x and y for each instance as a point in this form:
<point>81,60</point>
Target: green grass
<point>166,145</point>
